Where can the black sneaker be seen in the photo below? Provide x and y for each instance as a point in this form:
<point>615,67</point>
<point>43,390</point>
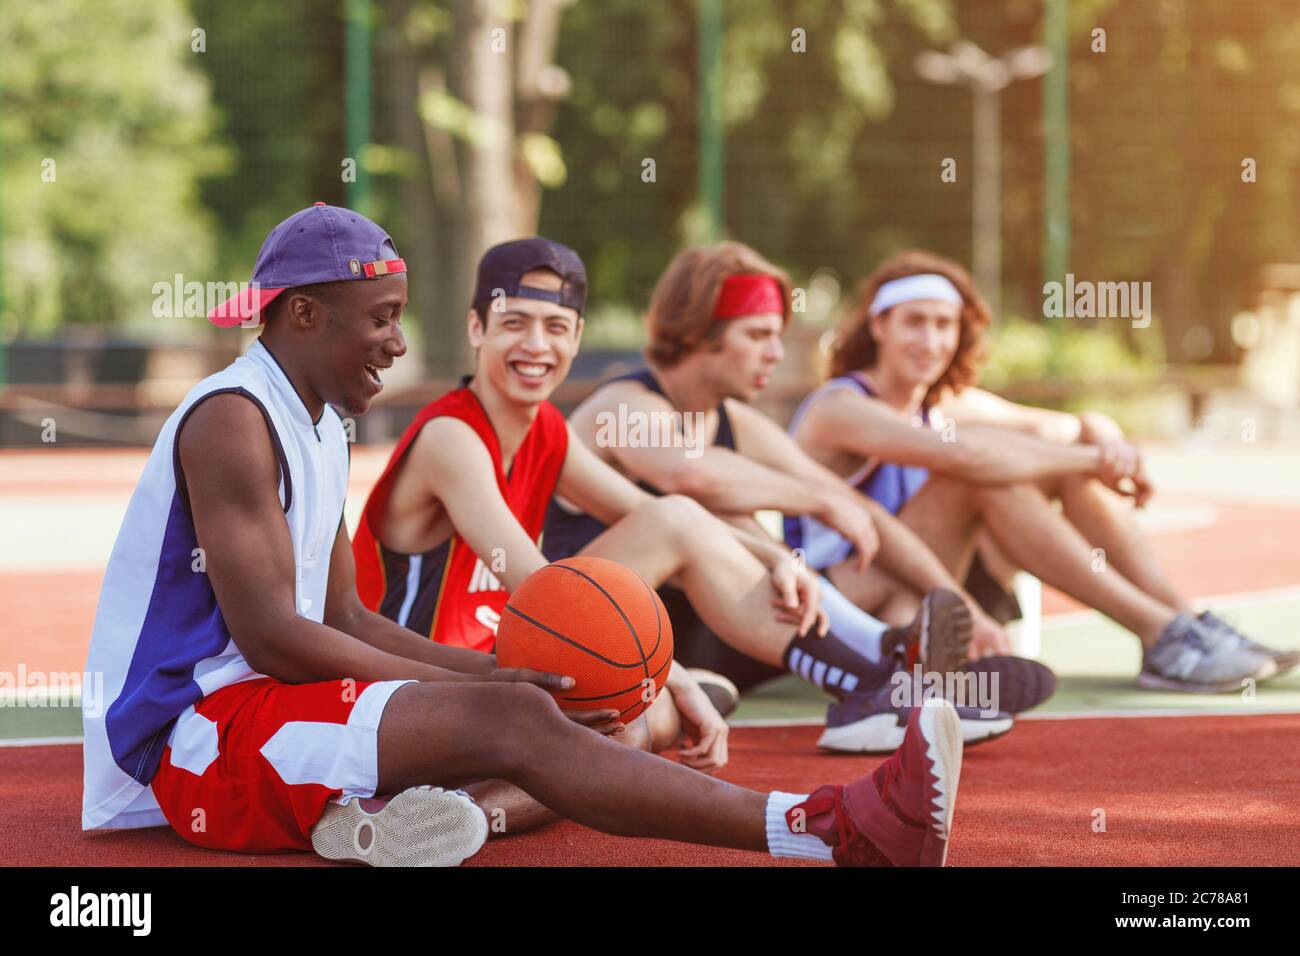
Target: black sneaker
<point>1021,683</point>
<point>875,721</point>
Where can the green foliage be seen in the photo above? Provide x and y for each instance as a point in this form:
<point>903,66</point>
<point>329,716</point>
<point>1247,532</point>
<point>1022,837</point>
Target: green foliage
<point>1085,359</point>
<point>111,93</point>
<point>798,127</point>
<point>276,71</point>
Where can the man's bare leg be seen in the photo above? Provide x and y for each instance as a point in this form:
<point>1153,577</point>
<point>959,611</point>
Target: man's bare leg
<point>661,724</point>
<point>674,540</point>
<point>510,811</point>
<point>947,513</point>
<point>1108,522</point>
<point>453,733</point>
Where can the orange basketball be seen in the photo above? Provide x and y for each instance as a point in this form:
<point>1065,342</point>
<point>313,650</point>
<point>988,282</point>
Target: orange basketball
<point>595,621</point>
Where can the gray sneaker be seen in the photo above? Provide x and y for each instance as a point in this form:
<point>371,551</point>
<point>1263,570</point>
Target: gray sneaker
<point>1195,659</point>
<point>1285,660</point>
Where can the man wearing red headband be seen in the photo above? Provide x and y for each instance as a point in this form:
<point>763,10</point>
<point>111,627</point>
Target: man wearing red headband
<point>715,324</point>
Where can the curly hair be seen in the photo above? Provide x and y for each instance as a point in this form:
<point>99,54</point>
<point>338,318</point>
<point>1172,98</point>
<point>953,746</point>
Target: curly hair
<point>680,318</point>
<point>855,348</point>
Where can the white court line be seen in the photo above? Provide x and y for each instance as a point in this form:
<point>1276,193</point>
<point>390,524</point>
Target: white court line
<point>39,741</point>
<point>1172,712</point>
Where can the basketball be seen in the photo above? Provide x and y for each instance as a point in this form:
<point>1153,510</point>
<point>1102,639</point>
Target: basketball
<point>595,621</point>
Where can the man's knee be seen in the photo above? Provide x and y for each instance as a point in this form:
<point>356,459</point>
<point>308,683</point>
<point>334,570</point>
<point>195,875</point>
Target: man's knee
<point>497,711</point>
<point>991,495</point>
<point>676,515</point>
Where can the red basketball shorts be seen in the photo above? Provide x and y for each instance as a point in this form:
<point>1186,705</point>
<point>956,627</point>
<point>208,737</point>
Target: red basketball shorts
<point>252,766</point>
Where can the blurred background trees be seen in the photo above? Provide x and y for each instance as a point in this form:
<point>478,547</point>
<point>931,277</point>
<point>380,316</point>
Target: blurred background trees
<point>171,160</point>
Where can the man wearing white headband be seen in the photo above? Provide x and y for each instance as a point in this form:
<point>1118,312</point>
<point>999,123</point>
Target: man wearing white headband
<point>972,474</point>
<point>916,288</point>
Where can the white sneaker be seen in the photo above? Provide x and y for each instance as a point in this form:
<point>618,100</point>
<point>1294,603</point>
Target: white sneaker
<point>423,826</point>
<point>1195,659</point>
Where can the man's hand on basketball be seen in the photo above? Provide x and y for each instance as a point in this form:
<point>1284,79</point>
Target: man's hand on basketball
<point>798,598</point>
<point>523,675</point>
<point>601,721</point>
<point>703,727</point>
<point>850,519</point>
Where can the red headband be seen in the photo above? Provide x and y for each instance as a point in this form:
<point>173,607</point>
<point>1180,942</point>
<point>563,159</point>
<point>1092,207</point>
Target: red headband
<point>749,294</point>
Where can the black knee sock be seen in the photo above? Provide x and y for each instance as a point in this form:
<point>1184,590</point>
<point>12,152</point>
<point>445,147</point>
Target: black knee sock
<point>834,666</point>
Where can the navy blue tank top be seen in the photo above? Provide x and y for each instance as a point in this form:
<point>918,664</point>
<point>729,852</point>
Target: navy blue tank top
<point>567,532</point>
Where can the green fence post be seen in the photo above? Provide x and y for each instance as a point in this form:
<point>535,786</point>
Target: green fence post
<point>1056,127</point>
<point>712,139</point>
<point>357,98</point>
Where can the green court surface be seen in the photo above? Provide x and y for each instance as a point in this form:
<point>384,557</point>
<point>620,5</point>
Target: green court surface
<point>1096,661</point>
<point>39,722</point>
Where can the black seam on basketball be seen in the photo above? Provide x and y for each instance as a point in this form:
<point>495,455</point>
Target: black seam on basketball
<point>556,634</point>
<point>608,597</point>
<point>659,624</point>
<point>617,693</point>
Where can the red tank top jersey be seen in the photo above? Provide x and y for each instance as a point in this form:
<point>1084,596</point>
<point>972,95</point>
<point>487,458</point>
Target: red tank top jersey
<point>449,593</point>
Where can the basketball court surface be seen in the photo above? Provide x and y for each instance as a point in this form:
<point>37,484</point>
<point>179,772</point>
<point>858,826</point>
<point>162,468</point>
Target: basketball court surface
<point>1103,774</point>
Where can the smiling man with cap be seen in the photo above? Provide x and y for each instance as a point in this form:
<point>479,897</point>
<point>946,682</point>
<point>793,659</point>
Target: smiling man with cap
<point>245,681</point>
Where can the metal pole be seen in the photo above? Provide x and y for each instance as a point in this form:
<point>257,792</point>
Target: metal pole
<point>987,213</point>
<point>712,139</point>
<point>357,98</point>
<point>1056,128</point>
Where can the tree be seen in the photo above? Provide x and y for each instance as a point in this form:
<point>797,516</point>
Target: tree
<point>482,75</point>
<point>107,130</point>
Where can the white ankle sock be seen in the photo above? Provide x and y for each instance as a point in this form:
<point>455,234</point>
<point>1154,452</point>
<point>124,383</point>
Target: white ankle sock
<point>852,625</point>
<point>781,843</point>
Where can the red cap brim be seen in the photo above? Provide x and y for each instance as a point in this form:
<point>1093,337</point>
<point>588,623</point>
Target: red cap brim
<point>240,308</point>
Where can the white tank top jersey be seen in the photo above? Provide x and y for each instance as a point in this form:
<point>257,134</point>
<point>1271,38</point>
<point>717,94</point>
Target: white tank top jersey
<point>159,639</point>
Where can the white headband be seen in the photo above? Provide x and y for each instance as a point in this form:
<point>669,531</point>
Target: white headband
<point>926,285</point>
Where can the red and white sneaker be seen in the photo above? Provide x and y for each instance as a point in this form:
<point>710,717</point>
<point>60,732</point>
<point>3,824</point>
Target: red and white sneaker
<point>900,815</point>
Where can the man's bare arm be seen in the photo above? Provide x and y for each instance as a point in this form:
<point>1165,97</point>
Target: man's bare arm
<point>232,475</point>
<point>458,473</point>
<point>590,484</point>
<point>976,406</point>
<point>851,423</point>
<point>345,612</point>
<point>718,478</point>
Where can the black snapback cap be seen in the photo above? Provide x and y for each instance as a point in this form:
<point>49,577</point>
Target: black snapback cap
<point>502,268</point>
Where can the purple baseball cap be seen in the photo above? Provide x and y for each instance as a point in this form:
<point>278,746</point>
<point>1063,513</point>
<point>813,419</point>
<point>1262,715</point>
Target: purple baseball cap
<point>322,243</point>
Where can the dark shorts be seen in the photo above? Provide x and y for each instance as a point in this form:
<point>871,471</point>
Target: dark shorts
<point>694,645</point>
